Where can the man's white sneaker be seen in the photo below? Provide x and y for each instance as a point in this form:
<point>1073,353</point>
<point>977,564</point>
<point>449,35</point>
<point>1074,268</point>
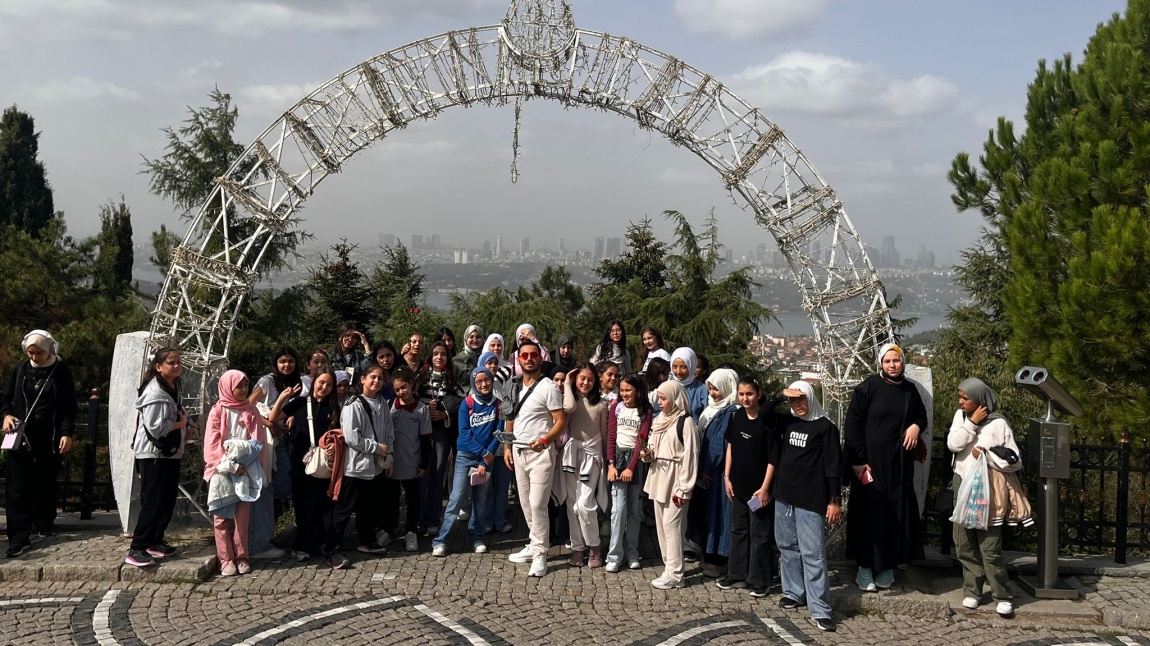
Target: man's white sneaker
<point>411,542</point>
<point>666,584</point>
<point>1005,609</point>
<point>439,550</point>
<point>538,566</point>
<point>522,556</point>
<point>612,566</point>
<point>970,603</point>
<point>480,548</point>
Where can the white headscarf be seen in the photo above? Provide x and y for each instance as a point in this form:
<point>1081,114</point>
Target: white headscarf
<point>689,358</point>
<point>726,381</point>
<point>41,339</point>
<point>525,327</point>
<point>498,355</point>
<point>814,408</point>
<point>882,353</point>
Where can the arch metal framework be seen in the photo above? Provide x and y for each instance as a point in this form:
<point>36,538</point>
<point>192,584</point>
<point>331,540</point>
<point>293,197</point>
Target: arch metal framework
<point>535,52</point>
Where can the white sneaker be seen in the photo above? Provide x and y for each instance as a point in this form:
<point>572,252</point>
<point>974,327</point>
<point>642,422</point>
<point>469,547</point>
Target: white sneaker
<point>538,566</point>
<point>439,550</point>
<point>464,514</point>
<point>270,553</point>
<point>299,556</point>
<point>522,556</point>
<point>634,564</point>
<point>612,566</point>
<point>970,603</point>
<point>382,538</point>
<point>666,584</point>
<point>480,548</point>
<point>411,542</point>
<point>1004,608</point>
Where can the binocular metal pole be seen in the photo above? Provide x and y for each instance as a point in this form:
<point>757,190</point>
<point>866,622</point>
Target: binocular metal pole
<point>1046,585</point>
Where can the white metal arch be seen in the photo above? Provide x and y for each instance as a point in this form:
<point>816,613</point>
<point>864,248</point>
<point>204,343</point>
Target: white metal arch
<point>535,52</point>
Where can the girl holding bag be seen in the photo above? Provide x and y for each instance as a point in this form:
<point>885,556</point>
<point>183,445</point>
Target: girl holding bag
<point>974,432</point>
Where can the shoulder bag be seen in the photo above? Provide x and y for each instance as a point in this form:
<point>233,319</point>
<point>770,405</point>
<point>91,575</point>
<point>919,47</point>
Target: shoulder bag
<point>315,461</point>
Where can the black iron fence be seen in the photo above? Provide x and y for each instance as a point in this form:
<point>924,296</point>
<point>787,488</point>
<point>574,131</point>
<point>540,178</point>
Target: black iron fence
<point>85,472</point>
<point>1103,507</point>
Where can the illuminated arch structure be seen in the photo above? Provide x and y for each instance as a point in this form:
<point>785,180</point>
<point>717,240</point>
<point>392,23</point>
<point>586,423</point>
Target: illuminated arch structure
<point>535,52</point>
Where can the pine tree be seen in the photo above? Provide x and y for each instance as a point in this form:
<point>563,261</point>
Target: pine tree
<point>25,196</point>
<point>1060,276</point>
<point>113,273</point>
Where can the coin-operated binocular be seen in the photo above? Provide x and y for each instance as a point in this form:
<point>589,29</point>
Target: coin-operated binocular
<point>1048,456</point>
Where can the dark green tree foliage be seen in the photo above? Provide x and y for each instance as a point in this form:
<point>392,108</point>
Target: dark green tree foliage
<point>25,196</point>
<point>272,319</point>
<point>339,291</point>
<point>1065,206</point>
<point>395,295</point>
<point>200,151</point>
<point>114,262</point>
<point>644,261</point>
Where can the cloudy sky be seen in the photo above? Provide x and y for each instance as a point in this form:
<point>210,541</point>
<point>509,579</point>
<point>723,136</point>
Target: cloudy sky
<point>880,95</point>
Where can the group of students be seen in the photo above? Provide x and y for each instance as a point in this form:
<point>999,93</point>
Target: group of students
<point>726,477</point>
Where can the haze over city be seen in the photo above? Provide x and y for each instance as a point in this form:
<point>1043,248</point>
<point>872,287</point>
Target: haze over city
<point>879,96</point>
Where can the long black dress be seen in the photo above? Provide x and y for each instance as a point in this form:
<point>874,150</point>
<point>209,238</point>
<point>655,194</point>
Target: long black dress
<point>883,525</point>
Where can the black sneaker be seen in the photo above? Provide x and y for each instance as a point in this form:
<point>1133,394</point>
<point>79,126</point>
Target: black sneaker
<point>372,548</point>
<point>727,583</point>
<point>823,624</point>
<point>17,550</point>
<point>161,550</point>
<point>690,556</point>
<point>139,558</point>
<point>787,603</point>
<point>759,591</point>
<point>338,561</point>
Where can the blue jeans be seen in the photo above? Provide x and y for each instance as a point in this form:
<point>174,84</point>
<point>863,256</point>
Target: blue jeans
<point>500,488</point>
<point>626,518</point>
<point>803,557</point>
<point>263,521</point>
<point>480,518</point>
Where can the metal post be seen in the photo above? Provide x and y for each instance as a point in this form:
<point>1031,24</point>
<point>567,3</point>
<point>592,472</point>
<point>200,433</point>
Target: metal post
<point>90,455</point>
<point>1122,513</point>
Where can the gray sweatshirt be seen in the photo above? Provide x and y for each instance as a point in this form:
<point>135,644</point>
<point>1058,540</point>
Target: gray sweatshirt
<point>365,427</point>
<point>157,413</point>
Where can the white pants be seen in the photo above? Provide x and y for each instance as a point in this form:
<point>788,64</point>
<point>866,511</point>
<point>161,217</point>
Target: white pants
<point>669,523</point>
<point>533,473</point>
<point>583,511</point>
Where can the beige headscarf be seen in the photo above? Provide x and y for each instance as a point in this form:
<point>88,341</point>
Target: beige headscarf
<point>42,339</point>
<point>677,406</point>
<point>882,353</point>
<point>814,408</point>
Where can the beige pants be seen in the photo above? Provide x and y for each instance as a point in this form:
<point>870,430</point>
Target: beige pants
<point>533,473</point>
<point>583,510</point>
<point>669,523</point>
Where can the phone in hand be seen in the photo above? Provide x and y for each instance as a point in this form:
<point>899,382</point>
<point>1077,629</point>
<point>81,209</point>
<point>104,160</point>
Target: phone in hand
<point>867,476</point>
<point>754,503</point>
<point>505,437</point>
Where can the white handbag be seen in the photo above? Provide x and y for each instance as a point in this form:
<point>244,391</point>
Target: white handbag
<point>315,461</point>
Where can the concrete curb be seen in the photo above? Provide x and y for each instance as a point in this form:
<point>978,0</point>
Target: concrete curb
<point>194,568</point>
<point>911,604</point>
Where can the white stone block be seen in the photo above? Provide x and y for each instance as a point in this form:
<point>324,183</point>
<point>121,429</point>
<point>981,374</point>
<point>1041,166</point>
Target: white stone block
<point>128,364</point>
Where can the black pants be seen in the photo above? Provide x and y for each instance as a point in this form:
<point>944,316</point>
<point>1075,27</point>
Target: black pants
<point>437,482</point>
<point>752,543</point>
<point>389,503</point>
<point>31,493</point>
<point>339,513</point>
<point>309,498</point>
<point>159,483</point>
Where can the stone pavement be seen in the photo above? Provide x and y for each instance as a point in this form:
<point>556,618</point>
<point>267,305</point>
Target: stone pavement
<point>71,589</point>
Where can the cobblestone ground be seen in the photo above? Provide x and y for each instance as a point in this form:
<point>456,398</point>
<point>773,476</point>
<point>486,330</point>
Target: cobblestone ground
<point>414,598</point>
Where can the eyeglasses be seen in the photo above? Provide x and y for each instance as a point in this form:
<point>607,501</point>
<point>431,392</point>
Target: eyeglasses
<point>529,355</point>
<point>479,382</point>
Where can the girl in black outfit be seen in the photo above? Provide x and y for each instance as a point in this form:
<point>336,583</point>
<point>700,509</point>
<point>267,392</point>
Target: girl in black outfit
<point>439,390</point>
<point>312,416</point>
<point>47,423</point>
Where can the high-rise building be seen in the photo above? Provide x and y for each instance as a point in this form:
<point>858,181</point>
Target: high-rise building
<point>416,241</point>
<point>435,241</point>
<point>599,248</point>
<point>561,246</point>
<point>486,250</point>
<point>498,247</point>
<point>613,247</point>
<point>524,246</point>
<point>889,252</point>
<point>386,240</point>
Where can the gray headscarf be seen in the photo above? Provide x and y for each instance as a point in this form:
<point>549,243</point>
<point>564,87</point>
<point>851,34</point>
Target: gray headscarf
<point>981,394</point>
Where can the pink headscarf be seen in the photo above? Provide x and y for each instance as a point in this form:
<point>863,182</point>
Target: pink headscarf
<point>217,430</point>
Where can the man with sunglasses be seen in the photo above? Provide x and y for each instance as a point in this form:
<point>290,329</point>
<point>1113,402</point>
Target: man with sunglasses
<point>535,416</point>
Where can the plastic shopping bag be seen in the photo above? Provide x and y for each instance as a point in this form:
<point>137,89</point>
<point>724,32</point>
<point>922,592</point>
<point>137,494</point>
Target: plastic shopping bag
<point>972,503</point>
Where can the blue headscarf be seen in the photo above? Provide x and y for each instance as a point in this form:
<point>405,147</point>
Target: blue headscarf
<point>485,357</point>
<point>475,394</point>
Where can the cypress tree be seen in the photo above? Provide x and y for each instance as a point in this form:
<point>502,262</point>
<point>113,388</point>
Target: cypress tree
<point>25,196</point>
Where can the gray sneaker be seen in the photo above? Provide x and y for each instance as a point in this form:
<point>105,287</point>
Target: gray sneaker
<point>411,542</point>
